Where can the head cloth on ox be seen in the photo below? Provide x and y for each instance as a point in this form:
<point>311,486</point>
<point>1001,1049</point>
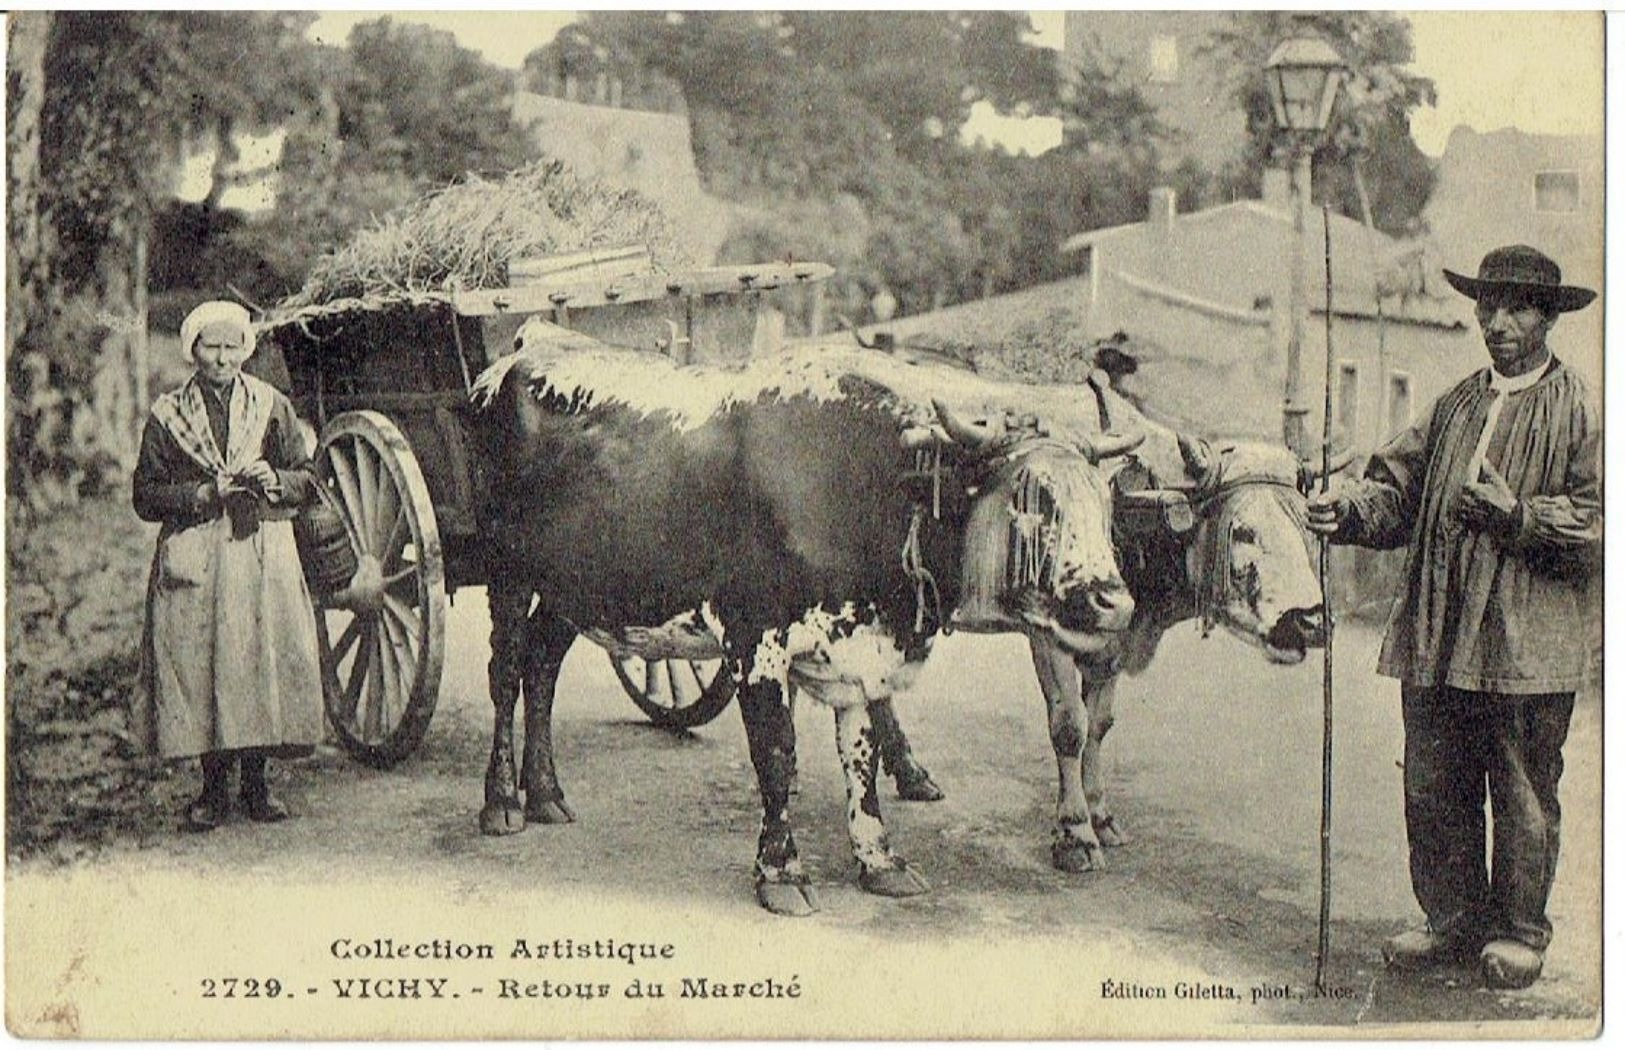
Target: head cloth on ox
<point>1232,471</point>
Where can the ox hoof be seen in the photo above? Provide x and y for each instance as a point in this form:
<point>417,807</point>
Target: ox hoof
<point>1078,857</point>
<point>917,786</point>
<point>549,811</point>
<point>793,899</point>
<point>502,818</point>
<point>901,881</point>
<point>1110,832</point>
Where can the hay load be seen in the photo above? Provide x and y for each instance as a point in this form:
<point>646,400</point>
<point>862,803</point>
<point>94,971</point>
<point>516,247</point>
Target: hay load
<point>469,234</point>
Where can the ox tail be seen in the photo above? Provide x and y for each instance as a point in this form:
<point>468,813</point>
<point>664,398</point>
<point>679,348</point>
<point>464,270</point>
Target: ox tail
<point>488,383</point>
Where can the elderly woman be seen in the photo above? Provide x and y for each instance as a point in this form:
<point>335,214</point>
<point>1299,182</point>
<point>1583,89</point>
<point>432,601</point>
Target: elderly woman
<point>229,667</point>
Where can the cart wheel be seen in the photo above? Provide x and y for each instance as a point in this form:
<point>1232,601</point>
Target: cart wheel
<point>676,694</point>
<point>383,637</point>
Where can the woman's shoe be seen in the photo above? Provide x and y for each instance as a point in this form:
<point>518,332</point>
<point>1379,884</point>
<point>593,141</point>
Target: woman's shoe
<point>263,809</point>
<point>207,813</point>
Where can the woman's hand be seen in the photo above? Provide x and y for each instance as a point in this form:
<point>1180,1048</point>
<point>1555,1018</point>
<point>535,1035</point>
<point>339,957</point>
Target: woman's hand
<point>259,475</point>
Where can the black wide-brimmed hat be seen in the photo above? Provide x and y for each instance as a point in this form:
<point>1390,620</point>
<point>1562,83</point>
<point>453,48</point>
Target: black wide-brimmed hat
<point>1520,268</point>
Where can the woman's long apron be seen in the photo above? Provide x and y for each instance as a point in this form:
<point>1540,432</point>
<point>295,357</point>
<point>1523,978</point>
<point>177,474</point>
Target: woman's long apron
<point>229,656</point>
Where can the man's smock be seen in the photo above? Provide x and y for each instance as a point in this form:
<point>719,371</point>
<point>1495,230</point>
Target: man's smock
<point>1509,610</point>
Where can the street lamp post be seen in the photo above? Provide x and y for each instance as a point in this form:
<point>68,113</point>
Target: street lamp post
<point>1303,76</point>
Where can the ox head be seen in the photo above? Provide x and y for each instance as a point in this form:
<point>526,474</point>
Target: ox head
<point>1251,559</point>
<point>1038,549</point>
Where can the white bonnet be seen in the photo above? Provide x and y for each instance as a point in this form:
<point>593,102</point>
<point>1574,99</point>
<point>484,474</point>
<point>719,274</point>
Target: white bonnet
<point>219,311</point>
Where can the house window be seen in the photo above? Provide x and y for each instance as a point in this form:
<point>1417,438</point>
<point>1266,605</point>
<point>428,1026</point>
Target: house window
<point>1348,401</point>
<point>1557,191</point>
<point>1163,59</point>
<point>1399,402</point>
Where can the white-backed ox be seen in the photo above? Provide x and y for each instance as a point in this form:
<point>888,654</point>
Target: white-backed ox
<point>1215,534</point>
<point>810,518</point>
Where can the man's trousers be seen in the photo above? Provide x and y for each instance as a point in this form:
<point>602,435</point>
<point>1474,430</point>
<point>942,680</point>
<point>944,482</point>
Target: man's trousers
<point>1457,745</point>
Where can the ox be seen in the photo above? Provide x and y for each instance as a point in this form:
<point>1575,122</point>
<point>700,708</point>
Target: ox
<point>1213,535</point>
<point>776,517</point>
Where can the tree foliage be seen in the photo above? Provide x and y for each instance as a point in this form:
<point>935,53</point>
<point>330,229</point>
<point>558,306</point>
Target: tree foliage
<point>1371,126</point>
<point>792,112</point>
<point>404,109</point>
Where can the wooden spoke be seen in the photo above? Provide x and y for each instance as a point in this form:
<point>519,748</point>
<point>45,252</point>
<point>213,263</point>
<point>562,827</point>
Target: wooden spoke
<point>347,638</point>
<point>358,676</point>
<point>350,492</point>
<point>681,694</point>
<point>373,725</point>
<point>390,689</point>
<point>660,689</point>
<point>405,618</point>
<point>367,467</point>
<point>652,685</point>
<point>391,519</point>
<point>399,647</point>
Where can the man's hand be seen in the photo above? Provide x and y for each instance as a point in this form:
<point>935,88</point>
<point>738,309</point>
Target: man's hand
<point>1486,502</point>
<point>1327,512</point>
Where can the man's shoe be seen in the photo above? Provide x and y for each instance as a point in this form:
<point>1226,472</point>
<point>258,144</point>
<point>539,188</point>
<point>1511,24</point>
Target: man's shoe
<point>206,813</point>
<point>1425,948</point>
<point>1510,964</point>
<point>263,809</point>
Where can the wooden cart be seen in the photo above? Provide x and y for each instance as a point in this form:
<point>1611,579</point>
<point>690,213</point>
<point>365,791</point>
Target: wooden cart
<point>385,387</point>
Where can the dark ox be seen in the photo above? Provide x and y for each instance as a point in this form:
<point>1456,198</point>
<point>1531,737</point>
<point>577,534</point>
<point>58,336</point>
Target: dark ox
<point>776,517</point>
<point>1213,535</point>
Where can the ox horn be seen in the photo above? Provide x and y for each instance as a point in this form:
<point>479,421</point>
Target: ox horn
<point>974,436</point>
<point>918,437</point>
<point>1105,446</point>
<point>1200,463</point>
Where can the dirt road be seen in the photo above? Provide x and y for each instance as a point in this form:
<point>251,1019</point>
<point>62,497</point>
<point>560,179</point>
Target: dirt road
<point>1213,769</point>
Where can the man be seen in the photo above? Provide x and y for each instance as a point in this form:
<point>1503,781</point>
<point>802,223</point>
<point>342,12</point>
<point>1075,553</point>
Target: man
<point>1495,494</point>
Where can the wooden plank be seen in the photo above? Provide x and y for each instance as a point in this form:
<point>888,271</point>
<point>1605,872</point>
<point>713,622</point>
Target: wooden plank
<point>716,280</point>
<point>594,264</point>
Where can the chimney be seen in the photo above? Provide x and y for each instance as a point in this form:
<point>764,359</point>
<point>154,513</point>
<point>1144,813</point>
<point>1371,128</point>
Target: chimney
<point>1164,206</point>
<point>1278,189</point>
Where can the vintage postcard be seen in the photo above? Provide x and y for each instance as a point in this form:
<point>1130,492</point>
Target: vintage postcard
<point>804,525</point>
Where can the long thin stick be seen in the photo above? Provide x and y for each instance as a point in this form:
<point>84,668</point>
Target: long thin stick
<point>1326,617</point>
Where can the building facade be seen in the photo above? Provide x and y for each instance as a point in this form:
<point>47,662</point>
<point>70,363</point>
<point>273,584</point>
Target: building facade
<point>1209,293</point>
<point>1511,187</point>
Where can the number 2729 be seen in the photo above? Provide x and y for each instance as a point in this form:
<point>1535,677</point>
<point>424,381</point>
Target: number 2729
<point>241,988</point>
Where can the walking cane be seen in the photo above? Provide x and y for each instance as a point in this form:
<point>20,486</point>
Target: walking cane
<point>1326,618</point>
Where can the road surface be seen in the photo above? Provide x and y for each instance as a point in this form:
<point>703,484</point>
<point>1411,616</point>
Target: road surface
<point>1213,769</point>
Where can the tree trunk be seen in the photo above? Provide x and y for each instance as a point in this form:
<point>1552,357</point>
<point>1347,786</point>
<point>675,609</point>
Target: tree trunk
<point>37,414</point>
<point>140,346</point>
<point>225,155</point>
<point>113,387</point>
<point>26,269</point>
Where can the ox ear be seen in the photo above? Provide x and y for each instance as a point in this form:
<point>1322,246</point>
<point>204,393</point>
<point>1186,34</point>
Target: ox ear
<point>1200,462</point>
<point>1105,446</point>
<point>974,436</point>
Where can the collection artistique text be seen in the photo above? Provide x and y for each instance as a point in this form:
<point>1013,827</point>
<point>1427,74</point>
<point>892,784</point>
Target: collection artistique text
<point>566,949</point>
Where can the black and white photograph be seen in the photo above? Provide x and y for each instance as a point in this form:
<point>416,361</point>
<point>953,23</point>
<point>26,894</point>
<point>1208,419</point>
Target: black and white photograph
<point>821,525</point>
